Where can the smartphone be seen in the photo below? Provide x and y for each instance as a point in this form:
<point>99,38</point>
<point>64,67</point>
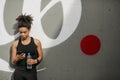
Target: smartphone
<point>19,52</point>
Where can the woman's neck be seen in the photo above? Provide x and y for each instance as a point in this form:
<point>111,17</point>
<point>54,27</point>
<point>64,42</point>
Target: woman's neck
<point>26,41</point>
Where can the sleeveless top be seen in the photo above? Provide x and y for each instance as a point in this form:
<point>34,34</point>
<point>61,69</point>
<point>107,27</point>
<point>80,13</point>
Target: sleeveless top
<point>29,48</point>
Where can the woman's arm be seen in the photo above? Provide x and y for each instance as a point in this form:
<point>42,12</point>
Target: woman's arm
<point>14,56</point>
<point>39,49</point>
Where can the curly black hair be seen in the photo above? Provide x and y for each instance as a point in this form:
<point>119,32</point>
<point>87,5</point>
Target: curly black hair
<point>24,21</point>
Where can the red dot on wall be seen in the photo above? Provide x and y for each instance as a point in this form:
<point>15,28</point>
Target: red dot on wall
<point>90,44</point>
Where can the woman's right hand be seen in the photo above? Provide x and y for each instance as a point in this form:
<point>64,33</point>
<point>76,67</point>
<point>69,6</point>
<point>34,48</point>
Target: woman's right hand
<point>21,56</point>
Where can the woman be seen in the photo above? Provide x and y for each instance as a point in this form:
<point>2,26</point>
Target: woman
<point>20,49</point>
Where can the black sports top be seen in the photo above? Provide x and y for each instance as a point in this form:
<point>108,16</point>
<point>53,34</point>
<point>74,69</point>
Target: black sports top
<point>29,48</point>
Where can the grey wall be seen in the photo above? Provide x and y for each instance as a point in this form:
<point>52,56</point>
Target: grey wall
<point>67,61</point>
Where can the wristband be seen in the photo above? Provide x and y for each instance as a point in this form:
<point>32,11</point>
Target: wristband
<point>38,61</point>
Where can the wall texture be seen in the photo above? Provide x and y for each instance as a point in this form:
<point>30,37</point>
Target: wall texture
<point>80,38</point>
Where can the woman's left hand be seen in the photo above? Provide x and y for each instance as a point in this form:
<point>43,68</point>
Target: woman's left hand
<point>31,61</point>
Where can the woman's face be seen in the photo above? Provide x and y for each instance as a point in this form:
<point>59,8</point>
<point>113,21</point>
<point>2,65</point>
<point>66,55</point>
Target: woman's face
<point>24,32</point>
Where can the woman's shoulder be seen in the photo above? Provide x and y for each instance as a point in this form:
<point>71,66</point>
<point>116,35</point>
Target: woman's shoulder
<point>37,41</point>
<point>15,43</point>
